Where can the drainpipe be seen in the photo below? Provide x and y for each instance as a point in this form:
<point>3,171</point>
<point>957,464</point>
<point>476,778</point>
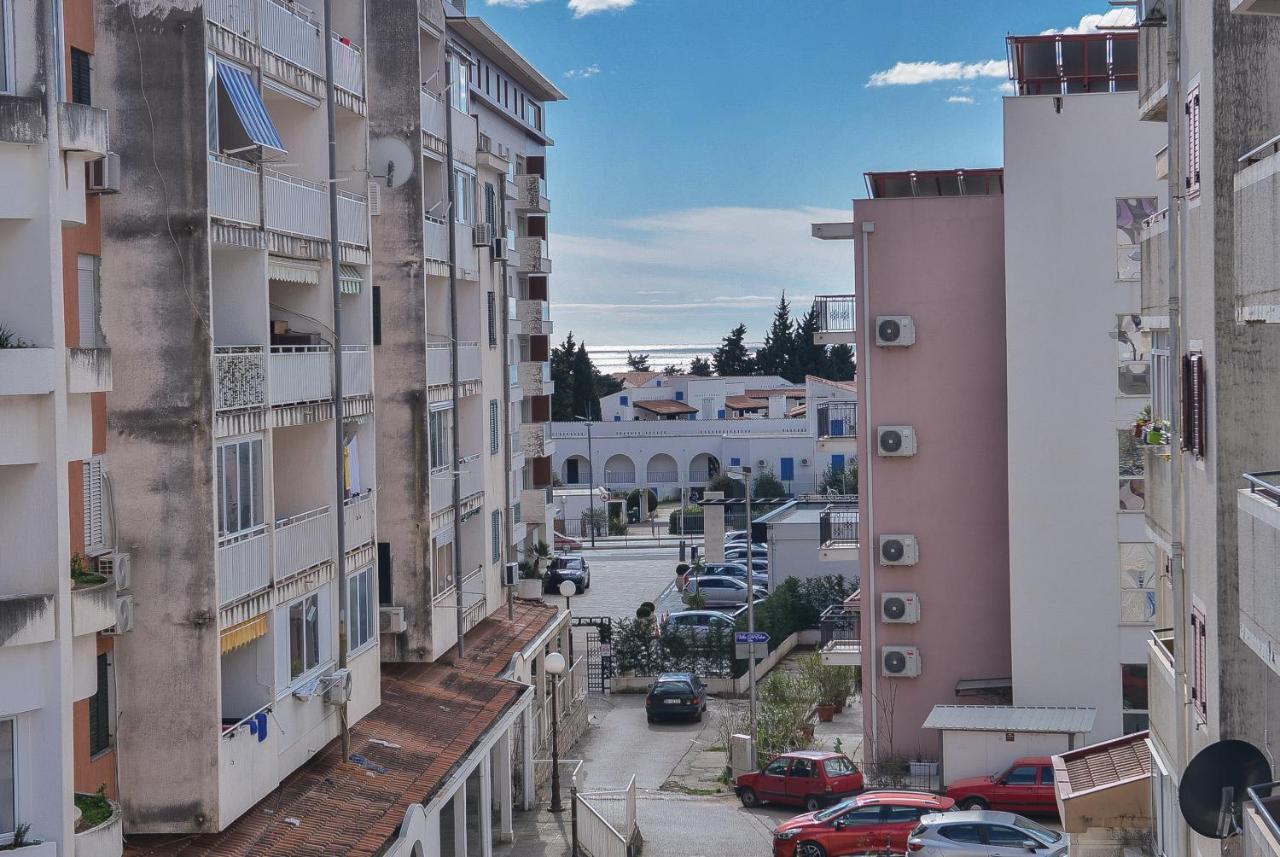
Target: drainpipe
<point>870,679</point>
<point>501,308</point>
<point>455,443</point>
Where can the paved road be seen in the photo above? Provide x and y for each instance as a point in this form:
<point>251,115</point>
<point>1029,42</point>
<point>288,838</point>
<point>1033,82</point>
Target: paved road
<point>622,578</point>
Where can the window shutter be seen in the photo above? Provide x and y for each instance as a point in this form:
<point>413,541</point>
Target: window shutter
<point>490,208</point>
<point>1194,427</point>
<point>493,320</point>
<point>95,539</point>
<point>87,286</point>
<point>493,426</point>
<point>1192,111</point>
<point>81,89</point>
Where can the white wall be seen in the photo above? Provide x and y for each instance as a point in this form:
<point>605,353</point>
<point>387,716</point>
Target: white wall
<point>973,754</point>
<point>1063,172</point>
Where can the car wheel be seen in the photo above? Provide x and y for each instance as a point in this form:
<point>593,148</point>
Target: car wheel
<point>697,718</point>
<point>748,798</point>
<point>810,849</point>
<point>812,804</point>
<point>974,803</point>
<point>649,717</point>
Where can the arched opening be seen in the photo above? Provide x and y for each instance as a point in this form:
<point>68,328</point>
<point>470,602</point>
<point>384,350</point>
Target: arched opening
<point>576,470</point>
<point>619,470</point>
<point>662,469</point>
<point>703,468</point>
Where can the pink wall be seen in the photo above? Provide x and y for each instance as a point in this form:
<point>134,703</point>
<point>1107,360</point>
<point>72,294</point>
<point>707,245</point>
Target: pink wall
<point>941,261</point>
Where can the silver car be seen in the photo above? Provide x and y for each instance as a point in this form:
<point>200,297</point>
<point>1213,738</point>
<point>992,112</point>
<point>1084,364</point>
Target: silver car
<point>982,833</point>
<point>717,590</point>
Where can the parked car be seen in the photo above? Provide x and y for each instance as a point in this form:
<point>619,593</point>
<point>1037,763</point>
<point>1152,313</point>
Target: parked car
<point>738,570</point>
<point>565,567</point>
<point>737,552</point>
<point>873,822</point>
<point>978,833</point>
<point>1025,786</point>
<point>807,778</point>
<point>699,622</point>
<point>676,695</point>
<point>741,612</point>
<point>735,537</point>
<point>717,589</point>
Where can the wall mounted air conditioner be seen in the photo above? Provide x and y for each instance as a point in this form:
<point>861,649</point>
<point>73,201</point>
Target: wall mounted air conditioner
<point>899,549</point>
<point>804,462</point>
<point>337,687</point>
<point>103,175</point>
<point>899,607</point>
<point>900,661</point>
<point>761,463</point>
<point>124,616</point>
<point>500,249</point>
<point>482,234</point>
<point>119,566</point>
<point>895,331</point>
<point>391,620</point>
<point>895,441</point>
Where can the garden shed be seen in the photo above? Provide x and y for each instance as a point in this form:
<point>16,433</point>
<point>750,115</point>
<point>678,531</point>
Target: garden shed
<point>985,739</point>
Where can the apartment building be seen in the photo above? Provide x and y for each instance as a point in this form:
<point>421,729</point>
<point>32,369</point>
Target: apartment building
<point>1208,73</point>
<point>463,332</point>
<point>931,445</point>
<point>59,601</point>
<point>1079,181</point>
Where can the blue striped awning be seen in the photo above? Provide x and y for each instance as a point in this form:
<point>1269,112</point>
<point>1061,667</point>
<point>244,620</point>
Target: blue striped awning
<point>247,102</point>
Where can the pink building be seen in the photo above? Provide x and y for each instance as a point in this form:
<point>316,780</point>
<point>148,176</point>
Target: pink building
<point>929,328</point>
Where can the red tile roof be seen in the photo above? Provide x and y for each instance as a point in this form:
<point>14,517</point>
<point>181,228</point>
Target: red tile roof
<point>635,379</point>
<point>766,392</point>
<point>431,717</point>
<point>665,406</point>
<point>745,403</point>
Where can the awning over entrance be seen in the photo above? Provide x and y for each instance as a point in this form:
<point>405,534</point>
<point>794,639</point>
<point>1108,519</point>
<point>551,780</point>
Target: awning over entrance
<point>249,107</point>
<point>1105,785</point>
<point>293,271</point>
<point>243,633</point>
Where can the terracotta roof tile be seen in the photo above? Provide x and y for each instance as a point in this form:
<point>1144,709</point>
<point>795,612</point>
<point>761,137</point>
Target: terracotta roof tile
<point>665,406</point>
<point>745,403</point>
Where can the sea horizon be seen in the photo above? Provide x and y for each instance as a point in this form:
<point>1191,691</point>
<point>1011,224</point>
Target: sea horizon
<point>613,358</point>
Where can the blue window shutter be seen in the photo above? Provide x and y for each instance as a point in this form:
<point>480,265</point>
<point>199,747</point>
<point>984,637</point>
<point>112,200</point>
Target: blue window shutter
<point>735,462</point>
<point>720,414</point>
<point>617,418</point>
<point>679,396</point>
<point>249,107</point>
<point>788,469</point>
<point>624,400</point>
<point>837,462</point>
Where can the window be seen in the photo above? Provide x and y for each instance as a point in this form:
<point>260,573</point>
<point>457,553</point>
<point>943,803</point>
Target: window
<point>90,310</point>
<point>1023,775</point>
<point>1130,213</point>
<point>839,767</point>
<point>239,481</point>
<point>8,775</point>
<point>788,470</point>
<point>679,396</point>
<point>624,400</point>
<point>1000,835</point>
<point>1134,355</point>
<point>6,85</point>
<point>493,427</point>
<point>1199,679</point>
<point>490,205</point>
<point>1192,109</point>
<point>464,189</point>
<point>1133,697</point>
<point>1137,583</point>
<point>100,710</point>
<point>492,300</point>
<point>1194,393</point>
<point>720,414</point>
<point>384,573</point>
<point>1132,472</point>
<point>903,814</point>
<point>440,429</point>
<point>95,531</point>
<point>863,815</point>
<point>735,462</point>
<point>1161,377</point>
<point>1046,775</point>
<point>81,91</point>
<point>803,768</point>
<point>533,114</point>
<point>777,768</point>
<point>377,315</point>
<point>210,101</point>
<point>969,833</point>
<point>361,627</point>
<point>304,635</point>
<point>459,77</point>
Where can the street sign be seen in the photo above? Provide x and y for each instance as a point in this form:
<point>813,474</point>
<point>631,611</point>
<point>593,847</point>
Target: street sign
<point>742,637</point>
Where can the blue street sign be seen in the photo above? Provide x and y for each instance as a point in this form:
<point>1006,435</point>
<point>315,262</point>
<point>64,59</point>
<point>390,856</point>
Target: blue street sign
<point>745,637</point>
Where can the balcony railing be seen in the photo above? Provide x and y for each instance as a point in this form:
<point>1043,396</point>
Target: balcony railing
<point>431,114</point>
<point>435,239</point>
<point>837,419</point>
<point>300,373</point>
<point>661,476</point>
<point>534,256</point>
<point>353,219</point>
<point>840,623</point>
<point>303,541</point>
<point>233,191</point>
<point>513,374</point>
<point>296,206</point>
<point>619,477</point>
<point>835,313</point>
<point>244,564</point>
<point>348,67</point>
<point>439,361</point>
<point>699,475</point>
<point>838,528</point>
<point>1265,800</point>
<point>239,377</point>
<point>357,371</point>
<point>470,475</point>
<point>292,36</point>
<point>532,192</point>
<point>358,518</point>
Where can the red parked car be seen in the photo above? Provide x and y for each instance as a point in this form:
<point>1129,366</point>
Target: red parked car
<point>877,822</point>
<point>1025,786</point>
<point>805,778</point>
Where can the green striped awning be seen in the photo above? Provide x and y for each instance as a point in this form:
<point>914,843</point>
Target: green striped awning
<point>293,271</point>
<point>349,279</point>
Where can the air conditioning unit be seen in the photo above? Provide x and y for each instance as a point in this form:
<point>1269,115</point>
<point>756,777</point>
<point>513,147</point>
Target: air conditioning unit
<point>337,688</point>
<point>895,331</point>
<point>510,574</point>
<point>804,462</point>
<point>482,234</point>
<point>761,462</point>
<point>391,620</point>
<point>900,661</point>
<point>500,249</point>
<point>899,550</point>
<point>899,607</point>
<point>118,565</point>
<point>103,174</point>
<point>124,616</point>
<point>895,441</point>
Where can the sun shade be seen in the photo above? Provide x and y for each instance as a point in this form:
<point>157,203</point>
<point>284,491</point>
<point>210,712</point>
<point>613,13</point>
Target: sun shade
<point>249,108</point>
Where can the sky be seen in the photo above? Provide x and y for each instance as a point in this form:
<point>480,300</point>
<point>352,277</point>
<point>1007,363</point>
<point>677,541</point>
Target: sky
<point>700,139</point>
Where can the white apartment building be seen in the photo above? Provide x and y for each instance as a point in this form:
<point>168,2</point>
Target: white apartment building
<point>1082,567</point>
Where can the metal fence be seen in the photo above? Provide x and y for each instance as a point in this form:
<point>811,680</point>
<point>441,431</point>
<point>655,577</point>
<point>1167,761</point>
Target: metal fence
<point>838,527</point>
<point>837,419</point>
<point>835,313</point>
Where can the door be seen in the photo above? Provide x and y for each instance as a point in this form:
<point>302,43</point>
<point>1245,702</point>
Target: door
<point>772,782</point>
<point>1017,790</point>
<point>1005,841</point>
<point>852,832</point>
<point>571,471</point>
<point>896,825</point>
<point>787,470</point>
<point>1045,800</point>
<point>802,781</point>
<point>965,840</point>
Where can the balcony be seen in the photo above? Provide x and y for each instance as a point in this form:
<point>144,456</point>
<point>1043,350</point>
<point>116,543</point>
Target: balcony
<point>535,440</point>
<point>239,377</point>
<point>1258,527</point>
<point>1154,237</point>
<point>837,421</point>
<point>835,319</point>
<point>93,608</point>
<point>26,620</point>
<point>88,370</point>
<point>435,243</point>
<point>535,378</point>
<point>1158,468</point>
<point>1153,74</point>
<point>358,520</point>
<point>534,256</point>
<point>432,11</point>
<point>1162,700</point>
<point>1256,221</point>
<point>244,564</point>
<point>82,128</point>
<point>296,206</point>
<point>533,504</point>
<point>513,374</point>
<point>1262,821</point>
<point>249,766</point>
<point>531,193</point>
<point>303,541</point>
<point>300,373</point>
<point>432,117</point>
<point>287,205</point>
<point>233,191</point>
<point>439,362</point>
<point>840,644</point>
<point>838,536</point>
<point>357,371</point>
<point>470,476</point>
<point>535,318</point>
<point>22,120</point>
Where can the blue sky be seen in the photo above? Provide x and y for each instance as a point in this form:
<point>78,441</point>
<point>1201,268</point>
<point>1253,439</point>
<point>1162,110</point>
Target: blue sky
<point>702,136</point>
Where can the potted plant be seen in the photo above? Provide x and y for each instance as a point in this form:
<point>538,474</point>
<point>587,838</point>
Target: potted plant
<point>1149,430</point>
<point>530,580</point>
<point>826,711</point>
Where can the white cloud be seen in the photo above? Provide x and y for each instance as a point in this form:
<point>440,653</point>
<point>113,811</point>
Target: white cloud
<point>582,8</point>
<point>912,73</point>
<point>1124,17</point>
<point>1007,88</point>
<point>959,99</point>
<point>513,4</point>
<point>582,73</point>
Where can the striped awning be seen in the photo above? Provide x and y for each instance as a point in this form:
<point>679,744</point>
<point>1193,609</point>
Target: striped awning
<point>243,632</point>
<point>293,271</point>
<point>249,107</point>
<point>349,279</point>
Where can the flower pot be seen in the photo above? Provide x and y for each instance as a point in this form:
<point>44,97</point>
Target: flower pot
<point>807,731</point>
<point>530,589</point>
<point>1155,437</point>
<point>826,712</point>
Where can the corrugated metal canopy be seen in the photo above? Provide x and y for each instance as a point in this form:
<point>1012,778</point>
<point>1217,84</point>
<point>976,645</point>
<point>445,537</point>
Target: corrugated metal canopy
<point>1012,718</point>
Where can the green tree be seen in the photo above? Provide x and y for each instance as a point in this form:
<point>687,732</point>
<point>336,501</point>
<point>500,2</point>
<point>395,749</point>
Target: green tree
<point>731,358</point>
<point>670,369</point>
<point>840,364</point>
<point>700,366</point>
<point>562,358</point>
<point>586,403</point>
<point>775,357</point>
<point>724,482</point>
<point>638,362</point>
<point>841,480</point>
<point>766,485</point>
<point>807,357</point>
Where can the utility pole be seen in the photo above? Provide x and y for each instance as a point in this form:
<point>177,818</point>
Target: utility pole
<point>591,477</point>
<point>339,445</point>
<point>751,616</point>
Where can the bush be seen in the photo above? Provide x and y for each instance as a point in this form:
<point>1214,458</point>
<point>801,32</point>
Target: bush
<point>652,607</point>
<point>617,528</point>
<point>692,521</point>
<point>840,480</point>
<point>643,612</point>
<point>766,485</point>
<point>731,488</point>
<point>633,500</point>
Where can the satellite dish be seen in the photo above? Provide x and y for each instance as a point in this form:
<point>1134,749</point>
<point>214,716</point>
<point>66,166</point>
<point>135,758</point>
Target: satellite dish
<point>1215,783</point>
<point>391,161</point>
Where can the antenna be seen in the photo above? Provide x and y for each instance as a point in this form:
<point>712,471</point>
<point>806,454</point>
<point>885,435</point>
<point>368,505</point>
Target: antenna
<point>1214,784</point>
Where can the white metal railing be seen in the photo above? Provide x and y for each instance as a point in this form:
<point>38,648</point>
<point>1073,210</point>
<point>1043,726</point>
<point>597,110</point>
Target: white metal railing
<point>348,67</point>
<point>353,219</point>
<point>357,371</point>
<point>238,16</point>
<point>244,564</point>
<point>233,191</point>
<point>300,373</point>
<point>435,239</point>
<point>296,206</point>
<point>619,477</point>
<point>437,363</point>
<point>432,113</point>
<point>468,361</point>
<point>303,541</point>
<point>607,825</point>
<point>358,519</point>
<point>292,36</point>
<point>470,475</point>
<point>663,475</point>
<point>697,476</point>
<point>239,377</point>
<point>513,374</point>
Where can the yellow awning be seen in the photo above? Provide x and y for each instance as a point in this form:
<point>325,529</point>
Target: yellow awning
<point>244,632</point>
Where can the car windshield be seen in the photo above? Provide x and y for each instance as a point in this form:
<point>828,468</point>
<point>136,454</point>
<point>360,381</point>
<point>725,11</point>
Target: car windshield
<point>1038,830</point>
<point>838,767</point>
<point>572,562</point>
<point>832,812</point>
<point>671,687</point>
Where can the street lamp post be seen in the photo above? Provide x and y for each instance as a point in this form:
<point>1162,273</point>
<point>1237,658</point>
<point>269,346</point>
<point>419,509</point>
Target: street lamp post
<point>591,476</point>
<point>569,589</point>
<point>554,665</point>
<point>744,476</point>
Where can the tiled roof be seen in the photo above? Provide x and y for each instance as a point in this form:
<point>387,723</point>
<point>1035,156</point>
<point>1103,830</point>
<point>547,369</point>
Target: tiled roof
<point>745,403</point>
<point>431,717</point>
<point>1101,766</point>
<point>665,406</point>
<point>635,379</point>
<point>1011,718</point>
<point>789,392</point>
<point>851,386</point>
